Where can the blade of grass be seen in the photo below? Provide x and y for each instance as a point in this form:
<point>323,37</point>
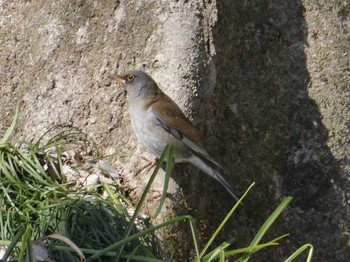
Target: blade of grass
<point>216,252</point>
<point>26,237</point>
<point>117,204</point>
<point>267,225</point>
<point>168,170</point>
<point>299,251</point>
<point>251,249</point>
<point>143,196</point>
<point>195,238</point>
<point>6,169</point>
<point>60,172</point>
<point>11,129</point>
<point>254,249</point>
<point>223,246</point>
<point>69,243</point>
<point>11,202</point>
<point>132,255</point>
<point>29,248</point>
<point>13,243</point>
<point>144,259</point>
<point>36,162</point>
<point>222,256</point>
<point>145,232</point>
<point>210,241</point>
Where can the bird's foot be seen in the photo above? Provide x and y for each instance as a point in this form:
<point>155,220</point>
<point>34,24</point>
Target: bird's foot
<point>148,166</point>
<point>155,194</point>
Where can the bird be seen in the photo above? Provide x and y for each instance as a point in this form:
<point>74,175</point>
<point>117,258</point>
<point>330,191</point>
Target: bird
<point>158,121</point>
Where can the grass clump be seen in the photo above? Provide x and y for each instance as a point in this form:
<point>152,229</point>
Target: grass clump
<point>46,213</point>
<point>37,199</point>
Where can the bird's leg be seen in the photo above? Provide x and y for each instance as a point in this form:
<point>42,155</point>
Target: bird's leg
<point>155,194</point>
<point>148,166</point>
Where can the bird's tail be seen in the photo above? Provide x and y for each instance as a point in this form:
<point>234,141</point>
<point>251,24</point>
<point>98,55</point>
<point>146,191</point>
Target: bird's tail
<point>214,170</point>
<point>222,180</point>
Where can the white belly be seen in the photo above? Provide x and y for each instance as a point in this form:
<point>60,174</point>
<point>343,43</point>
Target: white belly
<point>153,136</point>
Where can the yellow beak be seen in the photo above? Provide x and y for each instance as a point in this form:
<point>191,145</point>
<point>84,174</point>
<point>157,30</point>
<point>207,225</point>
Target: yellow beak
<point>118,78</point>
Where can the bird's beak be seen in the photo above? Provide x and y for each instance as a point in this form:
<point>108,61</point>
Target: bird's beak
<point>117,78</point>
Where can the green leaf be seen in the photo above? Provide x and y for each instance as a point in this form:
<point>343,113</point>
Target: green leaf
<point>299,251</point>
<point>164,155</point>
<point>26,244</point>
<point>217,231</point>
<point>168,170</point>
<point>11,129</point>
<point>13,244</point>
<point>267,225</point>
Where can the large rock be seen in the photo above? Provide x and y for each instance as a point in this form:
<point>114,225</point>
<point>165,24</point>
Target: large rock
<point>265,81</point>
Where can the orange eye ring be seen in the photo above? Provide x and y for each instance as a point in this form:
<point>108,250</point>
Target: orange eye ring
<point>130,78</point>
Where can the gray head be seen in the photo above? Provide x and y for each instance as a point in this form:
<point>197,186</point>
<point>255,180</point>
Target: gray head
<point>138,84</point>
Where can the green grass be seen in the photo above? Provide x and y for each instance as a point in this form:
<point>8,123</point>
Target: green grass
<point>40,206</point>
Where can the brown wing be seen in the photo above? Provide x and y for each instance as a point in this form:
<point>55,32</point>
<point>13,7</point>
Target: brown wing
<point>172,119</point>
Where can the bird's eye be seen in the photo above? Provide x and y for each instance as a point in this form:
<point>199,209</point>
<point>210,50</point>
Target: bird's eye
<point>129,78</point>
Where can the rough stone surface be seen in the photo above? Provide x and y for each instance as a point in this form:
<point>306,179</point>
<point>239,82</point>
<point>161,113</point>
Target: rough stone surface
<point>267,82</point>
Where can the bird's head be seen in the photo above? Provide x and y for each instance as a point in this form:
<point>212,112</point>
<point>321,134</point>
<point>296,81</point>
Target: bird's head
<point>138,84</point>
